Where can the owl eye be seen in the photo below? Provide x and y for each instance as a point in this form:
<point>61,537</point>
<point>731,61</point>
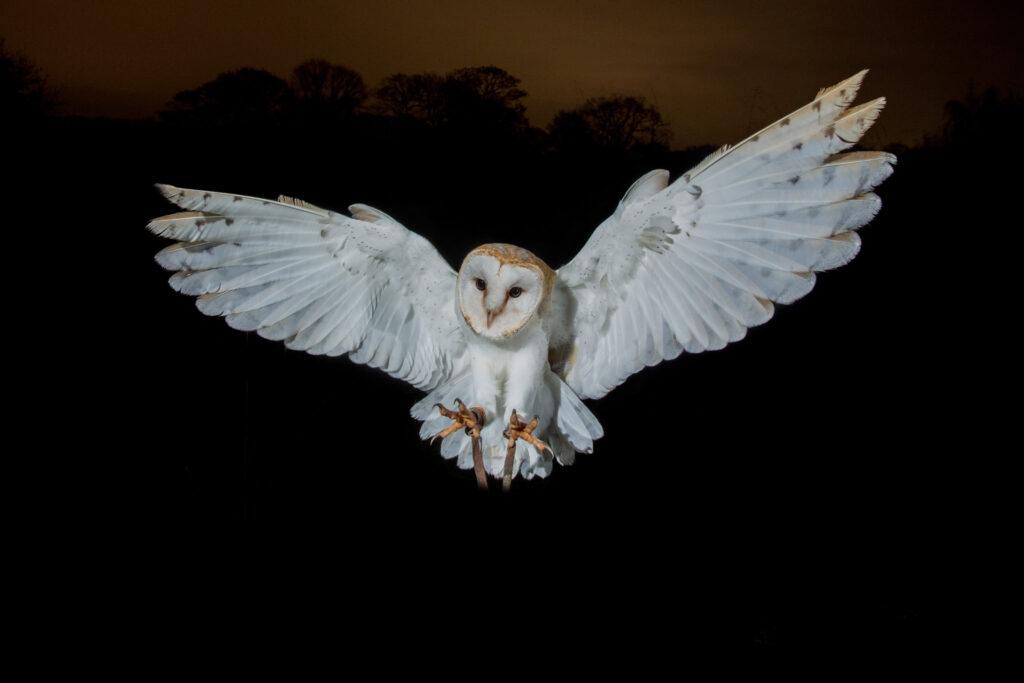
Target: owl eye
<point>480,284</point>
<point>514,292</point>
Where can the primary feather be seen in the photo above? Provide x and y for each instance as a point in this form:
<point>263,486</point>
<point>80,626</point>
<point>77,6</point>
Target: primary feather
<point>690,266</point>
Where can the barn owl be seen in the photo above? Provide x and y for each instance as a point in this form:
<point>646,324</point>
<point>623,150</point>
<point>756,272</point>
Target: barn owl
<point>507,348</point>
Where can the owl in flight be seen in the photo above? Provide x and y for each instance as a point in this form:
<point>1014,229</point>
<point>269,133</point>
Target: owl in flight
<point>507,348</point>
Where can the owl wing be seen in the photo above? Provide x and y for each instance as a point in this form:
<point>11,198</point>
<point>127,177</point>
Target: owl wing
<point>319,281</point>
<point>691,265</point>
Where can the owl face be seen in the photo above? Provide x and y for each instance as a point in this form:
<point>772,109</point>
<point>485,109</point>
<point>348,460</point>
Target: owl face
<point>501,289</point>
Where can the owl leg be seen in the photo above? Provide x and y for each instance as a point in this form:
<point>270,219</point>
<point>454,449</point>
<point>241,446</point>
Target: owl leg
<point>472,419</point>
<point>517,429</point>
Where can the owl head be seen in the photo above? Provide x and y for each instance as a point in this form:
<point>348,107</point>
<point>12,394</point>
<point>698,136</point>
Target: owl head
<point>502,288</point>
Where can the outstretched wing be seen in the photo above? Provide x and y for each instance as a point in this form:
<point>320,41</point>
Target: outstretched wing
<point>319,281</point>
<point>691,265</point>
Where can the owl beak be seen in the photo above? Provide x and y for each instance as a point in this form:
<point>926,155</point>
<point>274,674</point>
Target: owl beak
<point>492,314</point>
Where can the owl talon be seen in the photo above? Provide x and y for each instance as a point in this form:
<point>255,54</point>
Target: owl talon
<point>517,429</point>
<point>472,419</point>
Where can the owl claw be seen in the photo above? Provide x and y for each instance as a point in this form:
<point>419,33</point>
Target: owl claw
<point>517,429</point>
<point>472,419</point>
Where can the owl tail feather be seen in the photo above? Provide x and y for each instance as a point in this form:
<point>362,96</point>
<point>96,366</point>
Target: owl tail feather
<point>575,420</point>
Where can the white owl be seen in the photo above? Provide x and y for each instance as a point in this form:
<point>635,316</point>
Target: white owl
<point>686,266</point>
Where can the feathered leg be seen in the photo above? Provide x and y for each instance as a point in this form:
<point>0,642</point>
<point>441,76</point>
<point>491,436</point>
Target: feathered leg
<point>472,419</point>
<point>517,429</point>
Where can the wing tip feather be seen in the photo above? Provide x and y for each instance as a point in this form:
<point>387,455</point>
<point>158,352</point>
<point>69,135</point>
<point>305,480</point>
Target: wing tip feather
<point>854,82</point>
<point>853,124</point>
<point>169,192</point>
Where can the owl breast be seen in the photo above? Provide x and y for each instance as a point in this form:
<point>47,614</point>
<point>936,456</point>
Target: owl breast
<point>507,377</point>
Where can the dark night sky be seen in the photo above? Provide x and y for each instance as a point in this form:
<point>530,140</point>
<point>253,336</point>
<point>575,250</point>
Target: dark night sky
<point>715,69</point>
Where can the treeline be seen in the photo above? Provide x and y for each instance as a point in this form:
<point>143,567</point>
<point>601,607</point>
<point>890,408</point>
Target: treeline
<point>484,103</point>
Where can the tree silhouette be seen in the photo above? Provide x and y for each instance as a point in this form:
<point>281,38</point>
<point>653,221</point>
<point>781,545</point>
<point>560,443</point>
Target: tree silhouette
<point>616,123</point>
<point>473,98</point>
<point>491,84</point>
<point>419,97</point>
<point>246,96</point>
<point>485,97</point>
<point>323,89</point>
<point>984,123</point>
<point>569,132</point>
<point>23,91</point>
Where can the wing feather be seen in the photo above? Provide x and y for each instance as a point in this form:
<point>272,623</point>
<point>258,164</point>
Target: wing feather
<point>691,265</point>
<point>319,281</point>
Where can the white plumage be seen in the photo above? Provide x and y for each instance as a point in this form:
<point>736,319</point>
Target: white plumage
<point>686,266</point>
